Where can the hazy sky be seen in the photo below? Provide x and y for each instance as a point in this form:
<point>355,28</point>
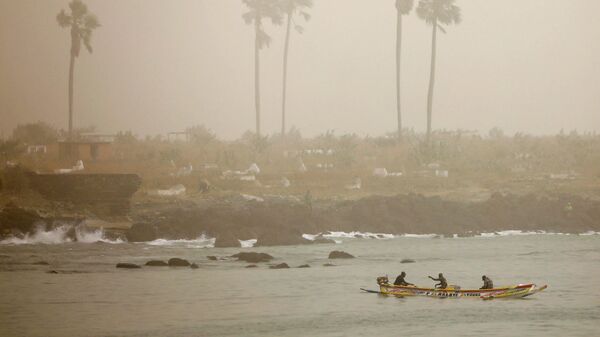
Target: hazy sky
<point>159,66</point>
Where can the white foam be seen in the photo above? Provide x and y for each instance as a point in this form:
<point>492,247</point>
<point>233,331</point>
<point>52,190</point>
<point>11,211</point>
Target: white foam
<point>310,237</point>
<point>590,233</point>
<point>349,235</point>
<point>58,235</point>
<point>248,243</point>
<point>201,242</point>
<point>419,236</point>
<point>518,232</point>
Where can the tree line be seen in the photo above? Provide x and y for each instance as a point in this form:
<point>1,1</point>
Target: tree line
<point>436,13</point>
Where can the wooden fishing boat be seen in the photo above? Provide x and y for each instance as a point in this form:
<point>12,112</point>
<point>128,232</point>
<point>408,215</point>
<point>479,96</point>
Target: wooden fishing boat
<point>518,291</point>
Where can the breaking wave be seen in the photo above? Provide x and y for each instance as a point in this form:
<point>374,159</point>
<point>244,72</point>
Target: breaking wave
<point>59,235</point>
<point>248,243</point>
<point>380,236</point>
<point>202,241</point>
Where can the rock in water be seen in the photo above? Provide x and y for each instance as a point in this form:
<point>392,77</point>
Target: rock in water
<point>226,240</point>
<point>128,265</point>
<point>156,263</point>
<point>177,262</point>
<point>338,254</point>
<point>141,232</point>
<point>280,266</point>
<point>329,265</point>
<point>251,266</point>
<point>194,266</point>
<point>304,266</point>
<point>408,261</point>
<point>252,257</point>
<point>212,258</point>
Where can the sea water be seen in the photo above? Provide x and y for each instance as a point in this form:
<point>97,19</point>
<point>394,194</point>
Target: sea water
<point>90,297</point>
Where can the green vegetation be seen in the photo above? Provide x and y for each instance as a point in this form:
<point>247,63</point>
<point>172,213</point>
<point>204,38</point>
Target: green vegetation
<point>328,164</point>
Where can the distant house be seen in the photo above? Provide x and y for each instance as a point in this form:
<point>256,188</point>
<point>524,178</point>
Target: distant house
<point>88,147</point>
<point>37,149</point>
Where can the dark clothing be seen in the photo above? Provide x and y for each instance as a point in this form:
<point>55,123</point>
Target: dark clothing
<point>443,283</point>
<point>487,283</point>
<point>401,282</point>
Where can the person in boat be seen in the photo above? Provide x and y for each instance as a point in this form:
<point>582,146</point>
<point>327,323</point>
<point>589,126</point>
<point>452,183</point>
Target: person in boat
<point>443,284</point>
<point>400,280</point>
<point>487,283</point>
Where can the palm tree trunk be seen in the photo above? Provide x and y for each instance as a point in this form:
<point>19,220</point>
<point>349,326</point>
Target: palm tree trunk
<point>398,55</point>
<point>257,75</point>
<point>431,82</point>
<point>71,70</point>
<point>285,61</point>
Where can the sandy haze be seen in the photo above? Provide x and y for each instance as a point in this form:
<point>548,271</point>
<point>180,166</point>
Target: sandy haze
<point>161,66</point>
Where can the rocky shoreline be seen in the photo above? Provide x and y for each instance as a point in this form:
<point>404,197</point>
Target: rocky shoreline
<point>282,221</point>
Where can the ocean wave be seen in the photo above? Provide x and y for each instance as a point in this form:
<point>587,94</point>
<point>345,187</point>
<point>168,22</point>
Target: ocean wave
<point>202,241</point>
<point>348,235</point>
<point>419,236</point>
<point>60,235</point>
<point>517,232</point>
<point>248,243</point>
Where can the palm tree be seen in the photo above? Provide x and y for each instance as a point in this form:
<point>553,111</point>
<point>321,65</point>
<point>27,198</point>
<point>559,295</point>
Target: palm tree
<point>82,24</point>
<point>403,7</point>
<point>290,8</point>
<point>259,10</point>
<point>436,13</point>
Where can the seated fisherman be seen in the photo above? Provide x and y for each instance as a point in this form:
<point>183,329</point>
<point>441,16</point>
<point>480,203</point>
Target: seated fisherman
<point>487,283</point>
<point>400,280</point>
<point>443,284</point>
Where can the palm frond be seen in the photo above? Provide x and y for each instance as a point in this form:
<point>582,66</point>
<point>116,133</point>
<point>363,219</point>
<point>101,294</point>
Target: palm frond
<point>264,40</point>
<point>442,11</point>
<point>63,19</point>
<point>91,22</point>
<point>249,17</point>
<point>87,41</point>
<point>404,6</point>
<point>78,9</point>
<point>305,15</point>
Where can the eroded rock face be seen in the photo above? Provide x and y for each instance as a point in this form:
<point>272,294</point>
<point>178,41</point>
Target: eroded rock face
<point>177,262</point>
<point>103,193</point>
<point>141,232</point>
<point>14,219</point>
<point>128,266</point>
<point>252,257</point>
<point>338,254</point>
<point>281,238</point>
<point>226,240</point>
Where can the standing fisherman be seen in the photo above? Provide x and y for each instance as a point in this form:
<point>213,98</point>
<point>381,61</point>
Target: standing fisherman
<point>443,284</point>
